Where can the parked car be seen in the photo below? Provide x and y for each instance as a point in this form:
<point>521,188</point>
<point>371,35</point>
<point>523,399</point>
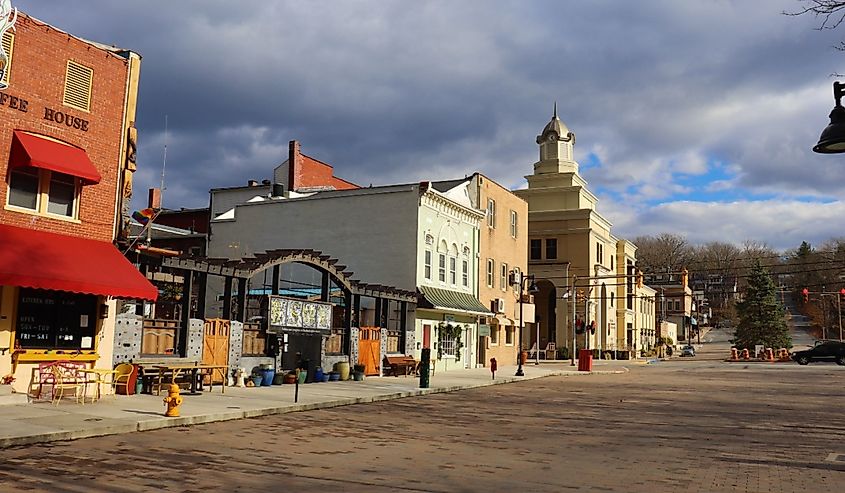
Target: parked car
<point>687,351</point>
<point>823,351</point>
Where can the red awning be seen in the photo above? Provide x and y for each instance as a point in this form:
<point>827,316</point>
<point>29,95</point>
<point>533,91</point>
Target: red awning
<point>42,152</point>
<point>36,259</point>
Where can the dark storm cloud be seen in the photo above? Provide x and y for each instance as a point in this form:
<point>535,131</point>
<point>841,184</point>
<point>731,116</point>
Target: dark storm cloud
<point>394,91</point>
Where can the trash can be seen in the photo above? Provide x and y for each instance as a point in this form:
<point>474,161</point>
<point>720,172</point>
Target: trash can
<point>585,360</point>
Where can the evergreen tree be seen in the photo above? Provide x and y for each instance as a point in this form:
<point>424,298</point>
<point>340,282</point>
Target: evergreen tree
<point>762,319</point>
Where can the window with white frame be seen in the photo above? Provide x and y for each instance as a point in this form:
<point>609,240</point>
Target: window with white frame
<point>428,264</point>
<point>491,213</point>
<point>442,268</point>
<point>503,276</point>
<point>513,224</point>
<point>453,265</point>
<point>447,344</point>
<point>44,191</point>
<point>491,272</point>
<point>465,273</point>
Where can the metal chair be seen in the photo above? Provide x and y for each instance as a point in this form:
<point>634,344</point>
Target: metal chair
<point>123,377</point>
<point>551,351</point>
<point>67,378</point>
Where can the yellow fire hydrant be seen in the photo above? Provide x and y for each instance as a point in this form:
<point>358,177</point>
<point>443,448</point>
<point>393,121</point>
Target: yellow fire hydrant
<point>173,401</point>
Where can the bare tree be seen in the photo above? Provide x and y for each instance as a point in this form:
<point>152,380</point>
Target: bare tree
<point>831,13</point>
<point>665,252</point>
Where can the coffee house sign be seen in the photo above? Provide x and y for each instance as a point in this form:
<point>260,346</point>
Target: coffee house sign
<point>50,114</point>
<point>8,17</point>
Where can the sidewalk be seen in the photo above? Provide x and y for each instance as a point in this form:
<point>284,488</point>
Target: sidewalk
<point>40,422</point>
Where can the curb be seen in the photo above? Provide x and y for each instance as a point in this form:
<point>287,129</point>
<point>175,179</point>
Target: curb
<point>161,423</point>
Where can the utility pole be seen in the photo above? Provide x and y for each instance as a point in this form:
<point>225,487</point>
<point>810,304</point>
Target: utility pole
<point>574,325</point>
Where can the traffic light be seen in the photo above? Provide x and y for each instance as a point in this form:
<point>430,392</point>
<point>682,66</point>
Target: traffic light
<point>806,293</point>
<point>842,294</point>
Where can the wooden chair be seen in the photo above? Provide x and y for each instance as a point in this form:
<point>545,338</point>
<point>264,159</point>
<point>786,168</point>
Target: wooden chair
<point>550,351</point>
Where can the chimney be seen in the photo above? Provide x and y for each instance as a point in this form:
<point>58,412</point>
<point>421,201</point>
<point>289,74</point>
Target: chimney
<point>265,182</point>
<point>154,199</point>
<point>278,190</point>
<point>294,164</point>
<point>252,183</point>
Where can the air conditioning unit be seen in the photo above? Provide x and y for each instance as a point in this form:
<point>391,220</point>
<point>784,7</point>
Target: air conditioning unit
<point>499,305</point>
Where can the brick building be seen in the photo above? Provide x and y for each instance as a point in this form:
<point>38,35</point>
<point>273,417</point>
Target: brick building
<point>67,153</point>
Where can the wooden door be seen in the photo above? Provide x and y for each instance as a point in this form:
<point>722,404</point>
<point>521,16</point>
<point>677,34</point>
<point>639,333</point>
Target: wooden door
<point>369,350</point>
<point>426,337</point>
<point>215,344</point>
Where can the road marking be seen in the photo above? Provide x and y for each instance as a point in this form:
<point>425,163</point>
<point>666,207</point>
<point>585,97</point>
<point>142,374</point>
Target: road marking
<point>834,457</point>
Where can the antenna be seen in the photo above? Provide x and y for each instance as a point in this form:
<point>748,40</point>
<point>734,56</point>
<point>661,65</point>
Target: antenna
<point>164,159</point>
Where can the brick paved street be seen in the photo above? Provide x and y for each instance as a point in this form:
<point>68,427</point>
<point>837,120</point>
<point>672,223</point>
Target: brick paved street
<point>674,426</point>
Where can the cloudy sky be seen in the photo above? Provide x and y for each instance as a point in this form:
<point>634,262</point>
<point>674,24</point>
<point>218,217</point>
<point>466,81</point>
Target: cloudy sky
<point>692,117</point>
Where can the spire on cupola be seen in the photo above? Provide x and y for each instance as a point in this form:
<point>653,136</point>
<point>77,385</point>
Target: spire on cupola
<point>556,143</point>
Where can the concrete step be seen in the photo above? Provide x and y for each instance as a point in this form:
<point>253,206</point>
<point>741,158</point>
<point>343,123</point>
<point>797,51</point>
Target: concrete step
<point>7,397</point>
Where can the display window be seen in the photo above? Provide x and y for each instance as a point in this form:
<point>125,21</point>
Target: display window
<point>55,320</point>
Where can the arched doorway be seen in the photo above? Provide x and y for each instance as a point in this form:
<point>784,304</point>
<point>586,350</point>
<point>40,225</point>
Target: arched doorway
<point>545,314</point>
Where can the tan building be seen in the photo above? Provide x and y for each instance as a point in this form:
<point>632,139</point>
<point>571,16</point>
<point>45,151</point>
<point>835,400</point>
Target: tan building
<point>503,251</point>
<point>503,246</point>
<point>570,242</point>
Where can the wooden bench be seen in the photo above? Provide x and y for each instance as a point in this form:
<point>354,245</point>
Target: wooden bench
<point>396,365</point>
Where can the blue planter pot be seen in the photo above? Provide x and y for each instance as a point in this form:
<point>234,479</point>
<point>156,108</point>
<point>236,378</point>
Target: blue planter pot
<point>268,377</point>
<point>318,375</point>
<point>334,377</point>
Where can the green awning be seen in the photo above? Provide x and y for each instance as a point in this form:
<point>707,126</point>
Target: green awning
<point>444,299</point>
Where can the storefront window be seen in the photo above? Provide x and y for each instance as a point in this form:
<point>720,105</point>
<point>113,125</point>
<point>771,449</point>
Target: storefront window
<point>62,194</point>
<point>23,189</point>
<point>26,183</point>
<point>55,319</point>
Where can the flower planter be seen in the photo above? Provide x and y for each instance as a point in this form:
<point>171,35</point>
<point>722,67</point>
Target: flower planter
<point>326,377</point>
<point>342,368</point>
<point>334,376</point>
<point>318,375</point>
<point>290,378</point>
<point>268,376</point>
<point>302,376</point>
<point>358,376</point>
<point>257,380</point>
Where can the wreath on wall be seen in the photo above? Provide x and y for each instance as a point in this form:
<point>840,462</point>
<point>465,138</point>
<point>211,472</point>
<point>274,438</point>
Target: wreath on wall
<point>447,330</point>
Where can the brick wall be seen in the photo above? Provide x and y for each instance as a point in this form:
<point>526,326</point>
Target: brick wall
<point>37,75</point>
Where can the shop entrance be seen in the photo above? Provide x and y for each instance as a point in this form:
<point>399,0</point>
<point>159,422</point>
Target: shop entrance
<point>369,349</point>
<point>215,345</point>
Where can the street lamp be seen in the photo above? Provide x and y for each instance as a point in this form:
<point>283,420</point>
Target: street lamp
<point>832,140</point>
<point>521,279</point>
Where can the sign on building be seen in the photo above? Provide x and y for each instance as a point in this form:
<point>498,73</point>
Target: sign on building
<point>299,315</point>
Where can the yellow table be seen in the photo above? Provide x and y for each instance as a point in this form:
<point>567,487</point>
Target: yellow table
<point>101,376</point>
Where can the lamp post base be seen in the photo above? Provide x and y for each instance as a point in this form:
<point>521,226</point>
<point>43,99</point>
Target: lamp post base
<point>519,372</point>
